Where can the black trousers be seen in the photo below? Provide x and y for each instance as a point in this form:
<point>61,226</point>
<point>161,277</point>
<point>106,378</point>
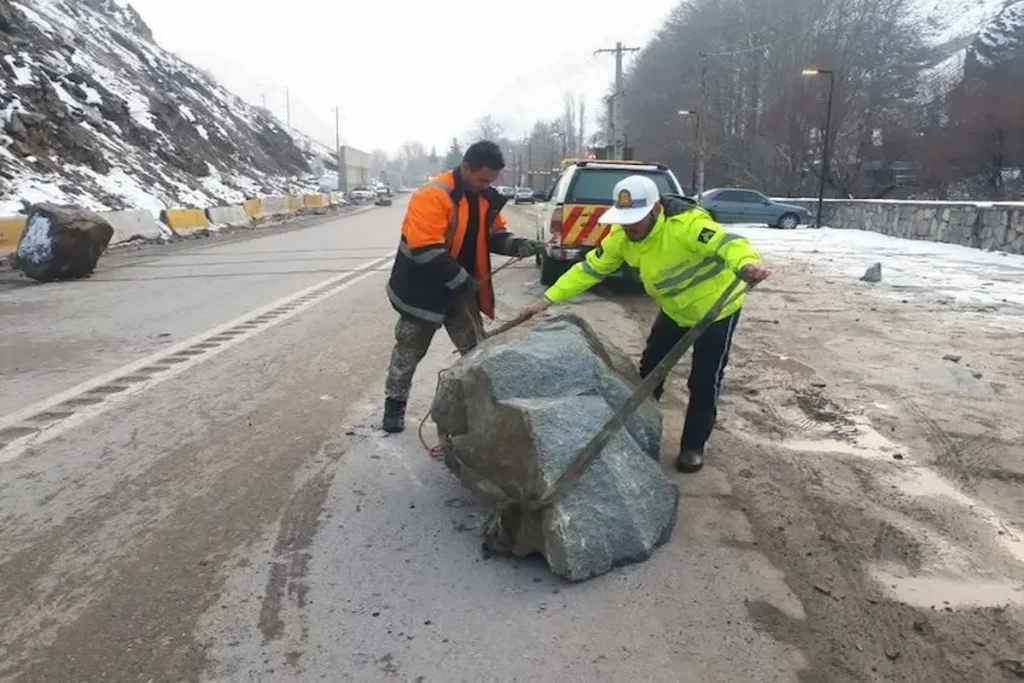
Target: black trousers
<point>710,356</point>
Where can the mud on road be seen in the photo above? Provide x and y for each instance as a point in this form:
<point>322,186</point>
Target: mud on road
<point>874,446</point>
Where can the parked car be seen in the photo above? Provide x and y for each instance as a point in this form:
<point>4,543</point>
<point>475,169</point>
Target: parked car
<point>524,195</point>
<point>362,194</point>
<point>582,193</point>
<point>736,205</point>
<point>506,191</point>
<point>540,195</point>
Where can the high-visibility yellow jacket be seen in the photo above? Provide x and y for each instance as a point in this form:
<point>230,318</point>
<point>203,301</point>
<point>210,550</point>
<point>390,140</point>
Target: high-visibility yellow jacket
<point>685,263</point>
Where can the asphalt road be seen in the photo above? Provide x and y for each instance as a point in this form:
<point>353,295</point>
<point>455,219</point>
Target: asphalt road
<point>192,487</point>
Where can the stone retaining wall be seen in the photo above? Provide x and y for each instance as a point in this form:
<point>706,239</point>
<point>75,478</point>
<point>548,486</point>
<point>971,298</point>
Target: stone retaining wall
<point>991,226</point>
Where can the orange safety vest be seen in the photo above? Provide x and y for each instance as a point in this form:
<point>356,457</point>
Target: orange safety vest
<point>426,277</point>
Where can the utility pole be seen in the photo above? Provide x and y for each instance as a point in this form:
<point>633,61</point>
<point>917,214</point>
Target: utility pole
<point>337,142</point>
<point>611,125</point>
<point>698,172</point>
<point>582,144</point>
<point>529,163</point>
<point>616,106</point>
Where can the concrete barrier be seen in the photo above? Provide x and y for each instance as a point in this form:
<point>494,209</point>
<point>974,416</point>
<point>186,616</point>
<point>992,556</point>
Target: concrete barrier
<point>315,201</point>
<point>294,203</point>
<point>983,225</point>
<point>253,208</point>
<point>185,220</point>
<point>234,215</point>
<point>10,233</point>
<point>138,224</point>
<point>274,206</point>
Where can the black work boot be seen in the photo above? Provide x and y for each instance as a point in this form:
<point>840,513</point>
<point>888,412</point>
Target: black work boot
<point>394,416</point>
<point>690,460</point>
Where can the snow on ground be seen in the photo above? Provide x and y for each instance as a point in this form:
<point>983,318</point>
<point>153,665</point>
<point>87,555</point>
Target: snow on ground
<point>952,272</point>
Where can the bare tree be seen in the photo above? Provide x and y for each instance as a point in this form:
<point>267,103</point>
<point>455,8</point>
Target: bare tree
<point>762,118</point>
<point>486,128</point>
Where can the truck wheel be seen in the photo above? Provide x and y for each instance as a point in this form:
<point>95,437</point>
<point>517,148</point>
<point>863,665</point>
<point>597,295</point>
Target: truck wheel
<point>551,270</point>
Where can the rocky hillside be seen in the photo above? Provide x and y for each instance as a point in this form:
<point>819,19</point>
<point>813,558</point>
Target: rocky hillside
<point>1001,40</point>
<point>94,113</point>
<point>975,35</point>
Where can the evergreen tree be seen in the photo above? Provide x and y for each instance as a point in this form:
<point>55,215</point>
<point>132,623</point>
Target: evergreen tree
<point>454,156</point>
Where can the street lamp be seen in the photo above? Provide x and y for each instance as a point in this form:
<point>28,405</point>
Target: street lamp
<point>695,179</point>
<point>824,146</point>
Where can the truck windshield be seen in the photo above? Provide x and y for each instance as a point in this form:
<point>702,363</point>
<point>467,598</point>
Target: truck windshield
<point>597,185</point>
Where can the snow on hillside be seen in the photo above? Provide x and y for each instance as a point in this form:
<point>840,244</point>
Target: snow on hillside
<point>954,27</point>
<point>951,21</point>
<point>1002,38</point>
<point>94,113</point>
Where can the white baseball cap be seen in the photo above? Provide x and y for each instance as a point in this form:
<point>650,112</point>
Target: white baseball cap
<point>635,197</point>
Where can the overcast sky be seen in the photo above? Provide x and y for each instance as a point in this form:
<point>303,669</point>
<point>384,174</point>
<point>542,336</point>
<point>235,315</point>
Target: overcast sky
<point>406,70</point>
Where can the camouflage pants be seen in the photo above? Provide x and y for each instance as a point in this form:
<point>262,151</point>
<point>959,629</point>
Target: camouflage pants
<point>412,340</point>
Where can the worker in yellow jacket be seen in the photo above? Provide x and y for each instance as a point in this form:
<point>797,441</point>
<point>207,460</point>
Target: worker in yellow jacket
<point>686,261</point>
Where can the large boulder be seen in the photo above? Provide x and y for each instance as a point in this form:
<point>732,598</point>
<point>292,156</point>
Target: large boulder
<point>515,412</point>
<point>61,243</point>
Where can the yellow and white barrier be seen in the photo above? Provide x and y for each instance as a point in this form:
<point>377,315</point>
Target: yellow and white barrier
<point>10,233</point>
<point>233,216</point>
<point>254,208</point>
<point>135,224</point>
<point>315,201</point>
<point>186,220</point>
<point>274,206</point>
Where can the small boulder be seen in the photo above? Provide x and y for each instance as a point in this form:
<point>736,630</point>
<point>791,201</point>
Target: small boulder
<point>515,412</point>
<point>61,243</point>
<point>873,274</point>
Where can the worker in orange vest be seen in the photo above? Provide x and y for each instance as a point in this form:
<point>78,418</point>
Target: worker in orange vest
<point>442,271</point>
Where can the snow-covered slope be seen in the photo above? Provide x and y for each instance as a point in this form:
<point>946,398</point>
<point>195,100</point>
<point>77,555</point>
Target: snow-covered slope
<point>1001,39</point>
<point>956,29</point>
<point>94,113</point>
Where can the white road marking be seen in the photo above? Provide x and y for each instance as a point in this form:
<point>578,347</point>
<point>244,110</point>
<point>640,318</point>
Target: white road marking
<point>311,295</point>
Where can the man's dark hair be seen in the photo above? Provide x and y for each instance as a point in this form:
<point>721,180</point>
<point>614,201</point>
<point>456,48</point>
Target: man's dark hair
<point>484,154</point>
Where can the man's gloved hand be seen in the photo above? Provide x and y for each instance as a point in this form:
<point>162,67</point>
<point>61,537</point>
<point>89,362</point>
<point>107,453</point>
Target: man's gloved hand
<point>529,248</point>
<point>754,273</point>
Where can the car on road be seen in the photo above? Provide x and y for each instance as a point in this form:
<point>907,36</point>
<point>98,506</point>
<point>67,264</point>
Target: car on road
<point>506,191</point>
<point>524,195</point>
<point>582,193</point>
<point>738,205</point>
<point>362,194</point>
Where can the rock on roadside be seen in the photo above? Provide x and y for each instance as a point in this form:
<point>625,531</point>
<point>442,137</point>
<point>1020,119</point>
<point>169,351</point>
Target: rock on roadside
<point>873,274</point>
<point>61,243</point>
<point>514,413</point>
